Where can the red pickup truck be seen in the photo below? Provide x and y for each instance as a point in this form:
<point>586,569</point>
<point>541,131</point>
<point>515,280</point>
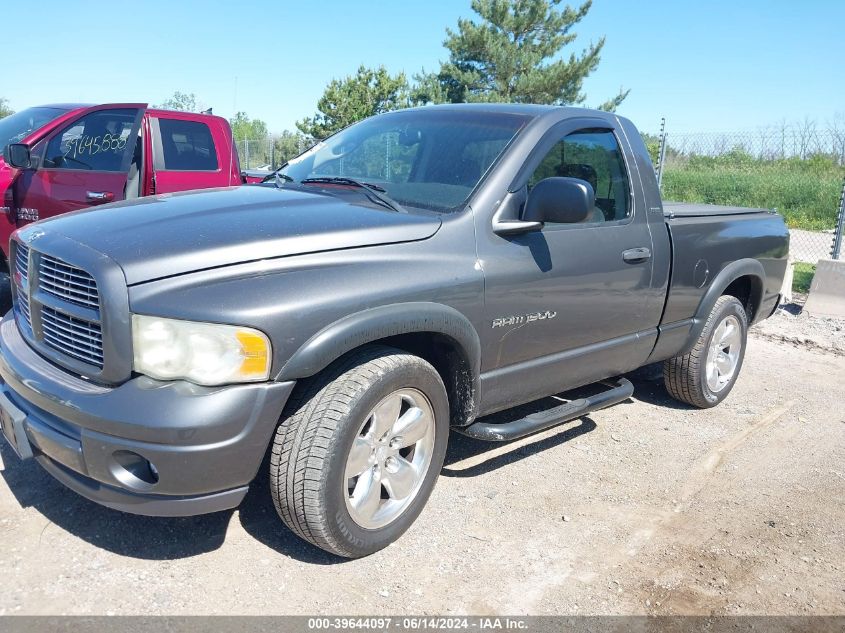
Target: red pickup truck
<point>61,158</point>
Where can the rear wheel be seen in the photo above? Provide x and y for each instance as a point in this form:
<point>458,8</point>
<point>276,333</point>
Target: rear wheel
<point>355,459</point>
<point>705,376</point>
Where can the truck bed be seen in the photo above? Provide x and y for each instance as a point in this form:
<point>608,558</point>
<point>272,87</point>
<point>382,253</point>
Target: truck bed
<point>695,210</point>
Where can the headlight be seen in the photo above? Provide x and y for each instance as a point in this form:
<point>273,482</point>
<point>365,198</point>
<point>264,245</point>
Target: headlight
<point>204,353</point>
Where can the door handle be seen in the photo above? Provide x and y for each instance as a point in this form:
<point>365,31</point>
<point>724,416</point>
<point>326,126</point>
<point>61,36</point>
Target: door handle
<point>636,255</point>
<point>99,197</point>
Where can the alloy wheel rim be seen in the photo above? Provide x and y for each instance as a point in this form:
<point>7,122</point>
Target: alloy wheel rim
<point>389,458</point>
<point>723,354</point>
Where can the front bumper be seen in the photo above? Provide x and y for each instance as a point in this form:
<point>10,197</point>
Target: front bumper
<point>205,443</point>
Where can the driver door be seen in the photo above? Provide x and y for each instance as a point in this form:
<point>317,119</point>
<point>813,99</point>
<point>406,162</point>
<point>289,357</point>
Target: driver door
<point>84,163</point>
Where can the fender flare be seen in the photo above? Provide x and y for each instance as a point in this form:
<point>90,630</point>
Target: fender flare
<point>358,329</point>
<point>729,274</point>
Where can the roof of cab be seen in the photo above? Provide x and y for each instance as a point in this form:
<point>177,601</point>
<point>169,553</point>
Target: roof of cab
<point>67,106</point>
<point>526,109</point>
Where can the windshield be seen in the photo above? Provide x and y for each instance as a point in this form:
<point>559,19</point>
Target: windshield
<point>16,127</point>
<point>431,158</point>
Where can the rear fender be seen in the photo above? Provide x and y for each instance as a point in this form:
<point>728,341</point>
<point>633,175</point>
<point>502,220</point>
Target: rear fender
<point>730,273</point>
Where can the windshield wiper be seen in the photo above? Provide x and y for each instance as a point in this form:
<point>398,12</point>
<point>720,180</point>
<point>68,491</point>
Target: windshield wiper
<point>279,178</point>
<point>374,192</point>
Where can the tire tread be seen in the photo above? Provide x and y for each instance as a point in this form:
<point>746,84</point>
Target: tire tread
<point>304,441</point>
<point>682,375</point>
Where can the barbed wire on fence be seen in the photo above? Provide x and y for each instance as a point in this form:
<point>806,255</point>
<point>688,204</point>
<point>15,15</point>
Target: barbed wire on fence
<point>763,144</point>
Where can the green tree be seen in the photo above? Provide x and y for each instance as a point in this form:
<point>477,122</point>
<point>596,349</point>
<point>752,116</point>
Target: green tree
<point>5,110</point>
<point>181,101</point>
<point>244,128</point>
<point>345,101</point>
<point>289,144</point>
<point>515,53</point>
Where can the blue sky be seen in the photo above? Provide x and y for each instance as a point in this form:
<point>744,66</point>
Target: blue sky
<point>706,66</point>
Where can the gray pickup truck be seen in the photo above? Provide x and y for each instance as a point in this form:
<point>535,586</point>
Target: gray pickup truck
<point>418,273</point>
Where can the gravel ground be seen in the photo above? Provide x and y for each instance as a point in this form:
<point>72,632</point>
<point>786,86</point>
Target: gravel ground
<point>795,327</point>
<point>648,507</point>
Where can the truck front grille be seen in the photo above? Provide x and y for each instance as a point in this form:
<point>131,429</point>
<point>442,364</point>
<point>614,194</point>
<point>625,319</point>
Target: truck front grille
<point>78,338</point>
<point>22,281</point>
<point>58,307</point>
<point>67,282</point>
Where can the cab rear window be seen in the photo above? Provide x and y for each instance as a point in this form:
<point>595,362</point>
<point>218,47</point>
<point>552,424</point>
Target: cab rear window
<point>186,146</point>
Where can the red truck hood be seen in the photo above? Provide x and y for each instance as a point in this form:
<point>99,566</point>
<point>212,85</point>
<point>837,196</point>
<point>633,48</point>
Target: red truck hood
<point>173,234</point>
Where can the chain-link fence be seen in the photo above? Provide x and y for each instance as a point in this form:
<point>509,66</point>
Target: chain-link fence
<point>797,170</point>
<point>271,152</point>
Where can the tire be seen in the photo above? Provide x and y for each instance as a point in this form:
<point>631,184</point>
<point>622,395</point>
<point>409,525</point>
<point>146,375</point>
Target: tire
<point>5,294</point>
<point>687,378</point>
<point>312,452</point>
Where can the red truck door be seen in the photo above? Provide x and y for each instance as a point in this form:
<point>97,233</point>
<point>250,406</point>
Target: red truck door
<point>191,152</point>
<point>86,162</point>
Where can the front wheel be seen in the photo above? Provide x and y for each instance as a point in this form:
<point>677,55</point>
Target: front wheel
<point>705,376</point>
<point>356,458</point>
<point>5,293</point>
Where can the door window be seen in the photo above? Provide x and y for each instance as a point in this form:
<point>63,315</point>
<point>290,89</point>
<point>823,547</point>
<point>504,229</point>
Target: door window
<point>593,156</point>
<point>186,146</point>
<point>99,141</point>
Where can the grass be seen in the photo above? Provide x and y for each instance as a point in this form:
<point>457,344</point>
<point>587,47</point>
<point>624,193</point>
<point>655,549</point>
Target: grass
<point>803,277</point>
<point>805,202</point>
<point>805,192</point>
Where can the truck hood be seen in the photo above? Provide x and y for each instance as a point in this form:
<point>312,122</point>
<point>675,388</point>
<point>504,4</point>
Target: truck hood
<point>173,234</point>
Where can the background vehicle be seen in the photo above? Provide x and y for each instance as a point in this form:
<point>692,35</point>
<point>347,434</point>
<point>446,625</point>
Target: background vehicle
<point>252,176</point>
<point>421,271</point>
<point>72,156</point>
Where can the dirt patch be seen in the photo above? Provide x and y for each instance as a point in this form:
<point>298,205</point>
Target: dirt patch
<point>790,324</point>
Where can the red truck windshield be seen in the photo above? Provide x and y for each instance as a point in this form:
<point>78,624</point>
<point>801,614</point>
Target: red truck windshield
<point>15,128</point>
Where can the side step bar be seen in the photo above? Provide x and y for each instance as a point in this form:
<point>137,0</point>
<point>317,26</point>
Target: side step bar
<point>621,389</point>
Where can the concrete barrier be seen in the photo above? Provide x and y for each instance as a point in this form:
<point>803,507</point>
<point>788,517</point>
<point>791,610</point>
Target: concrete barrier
<point>786,287</point>
<point>827,292</point>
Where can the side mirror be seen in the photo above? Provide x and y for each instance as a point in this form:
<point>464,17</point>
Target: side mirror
<point>560,200</point>
<point>17,155</point>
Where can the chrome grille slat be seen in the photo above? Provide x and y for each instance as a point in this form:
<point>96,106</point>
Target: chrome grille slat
<point>75,337</point>
<point>85,352</point>
<point>84,287</point>
<point>22,269</point>
<point>67,282</point>
<point>69,331</point>
<point>25,312</point>
<point>85,358</point>
<point>22,259</point>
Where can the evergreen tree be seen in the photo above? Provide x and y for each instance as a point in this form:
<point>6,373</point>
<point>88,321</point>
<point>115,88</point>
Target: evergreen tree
<point>345,101</point>
<point>516,53</point>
